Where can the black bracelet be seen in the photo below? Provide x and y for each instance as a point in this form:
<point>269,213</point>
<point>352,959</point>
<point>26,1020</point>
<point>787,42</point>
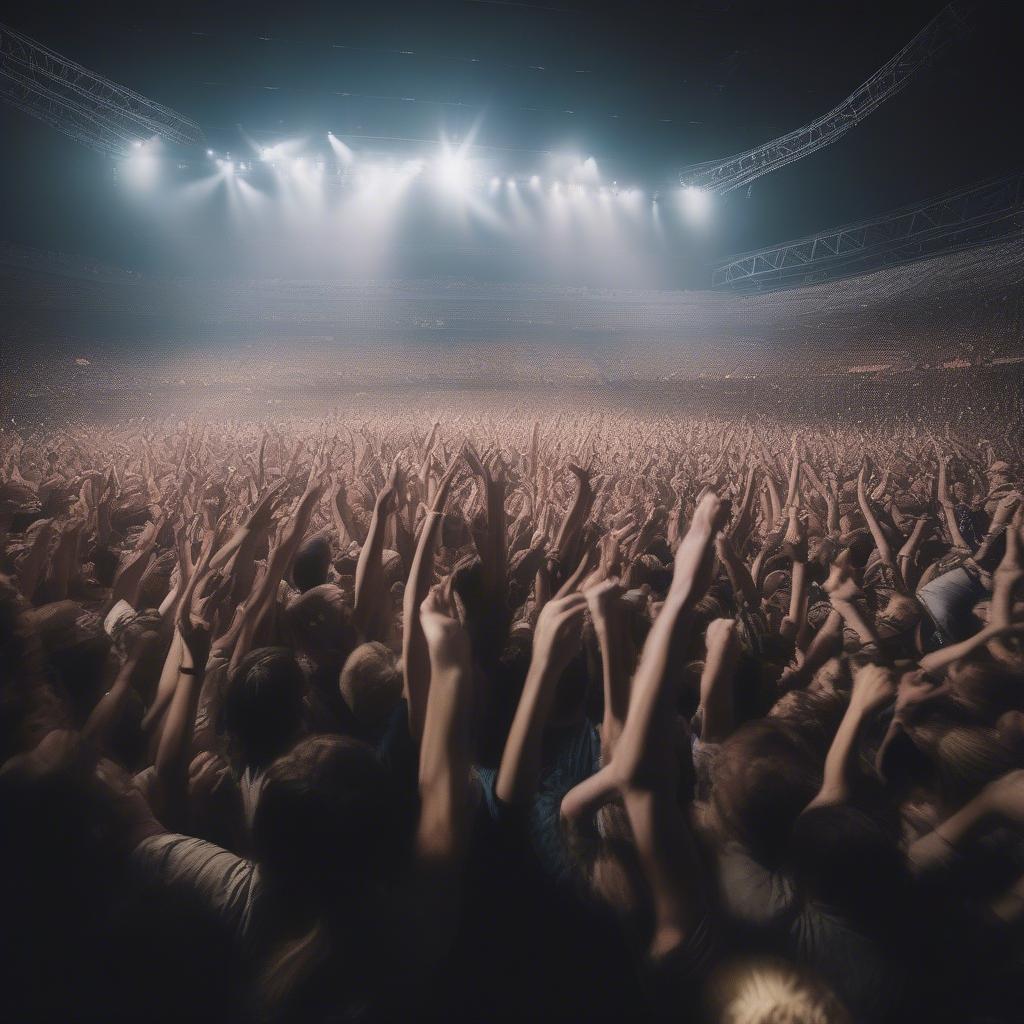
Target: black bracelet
<point>185,671</point>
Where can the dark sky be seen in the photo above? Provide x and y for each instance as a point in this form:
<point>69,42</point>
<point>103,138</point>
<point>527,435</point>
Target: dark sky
<point>645,87</point>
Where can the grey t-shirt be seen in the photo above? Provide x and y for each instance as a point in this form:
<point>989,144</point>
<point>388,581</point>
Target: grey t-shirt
<point>220,883</point>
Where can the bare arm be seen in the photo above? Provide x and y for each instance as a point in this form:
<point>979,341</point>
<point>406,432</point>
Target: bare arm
<point>415,656</point>
<point>872,687</point>
<point>174,750</point>
<point>716,681</point>
<point>370,568</point>
<point>108,710</point>
<point>444,775</point>
<point>555,638</point>
<point>603,600</point>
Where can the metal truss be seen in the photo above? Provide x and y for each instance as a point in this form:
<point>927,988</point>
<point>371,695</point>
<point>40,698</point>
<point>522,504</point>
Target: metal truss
<point>89,108</point>
<point>956,220</point>
<point>951,23</point>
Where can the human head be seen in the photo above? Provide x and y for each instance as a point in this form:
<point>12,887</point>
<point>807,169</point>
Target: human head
<point>765,775</point>
<point>371,685</point>
<point>770,991</point>
<point>262,711</point>
<point>844,858</point>
<point>984,689</point>
<point>311,563</point>
<point>998,473</point>
<point>321,624</point>
<point>329,823</point>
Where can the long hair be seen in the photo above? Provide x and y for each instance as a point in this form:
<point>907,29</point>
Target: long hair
<point>332,839</point>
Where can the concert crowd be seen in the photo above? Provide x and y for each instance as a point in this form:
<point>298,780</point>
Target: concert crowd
<point>471,716</point>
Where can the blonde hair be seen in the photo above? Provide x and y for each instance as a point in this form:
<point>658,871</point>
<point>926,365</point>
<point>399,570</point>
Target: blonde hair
<point>772,992</point>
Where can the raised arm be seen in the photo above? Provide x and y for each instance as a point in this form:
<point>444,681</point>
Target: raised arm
<point>881,541</point>
<point>795,545</point>
<point>716,681</point>
<point>444,775</point>
<point>617,657</point>
<point>1000,799</point>
<point>370,567</point>
<point>175,747</point>
<point>872,687</point>
<point>415,656</point>
<point>946,502</point>
<point>555,638</point>
<point>665,844</point>
<point>262,597</point>
<point>129,577</point>
<point>106,714</point>
<point>642,768</point>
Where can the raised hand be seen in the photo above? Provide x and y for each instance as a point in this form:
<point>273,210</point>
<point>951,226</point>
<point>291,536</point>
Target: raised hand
<point>447,639</point>
<point>873,686</point>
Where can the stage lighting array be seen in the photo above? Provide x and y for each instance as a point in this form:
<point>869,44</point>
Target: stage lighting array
<point>453,169</point>
<point>455,173</point>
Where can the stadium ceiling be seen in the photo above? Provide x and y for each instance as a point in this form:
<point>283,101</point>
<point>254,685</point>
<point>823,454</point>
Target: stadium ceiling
<point>978,213</point>
<point>721,176</point>
<point>89,108</point>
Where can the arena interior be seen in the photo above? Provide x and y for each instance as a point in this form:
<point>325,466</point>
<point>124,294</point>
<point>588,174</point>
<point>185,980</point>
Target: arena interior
<point>512,511</point>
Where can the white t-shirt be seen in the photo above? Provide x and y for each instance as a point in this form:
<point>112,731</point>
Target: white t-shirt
<point>198,872</point>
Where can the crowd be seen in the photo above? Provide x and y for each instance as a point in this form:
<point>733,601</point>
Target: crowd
<point>486,718</point>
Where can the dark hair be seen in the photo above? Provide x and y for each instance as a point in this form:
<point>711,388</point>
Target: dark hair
<point>331,835</point>
<point>262,711</point>
<point>320,621</point>
<point>984,689</point>
<point>329,819</point>
<point>311,562</point>
<point>765,775</point>
<point>844,858</point>
<point>814,714</point>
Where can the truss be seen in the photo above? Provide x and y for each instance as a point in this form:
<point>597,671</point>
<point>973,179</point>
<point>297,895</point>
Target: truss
<point>89,108</point>
<point>951,23</point>
<point>958,219</point>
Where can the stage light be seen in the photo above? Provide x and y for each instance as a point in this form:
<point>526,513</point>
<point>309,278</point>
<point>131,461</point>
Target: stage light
<point>341,151</point>
<point>453,170</point>
<point>696,202</point>
<point>495,183</point>
<point>267,153</point>
<point>141,166</point>
<point>535,181</point>
<point>209,152</point>
<point>511,183</point>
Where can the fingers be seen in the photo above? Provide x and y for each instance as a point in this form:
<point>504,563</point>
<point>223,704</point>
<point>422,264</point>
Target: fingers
<point>574,580</point>
<point>721,633</point>
<point>604,595</point>
<point>694,554</point>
